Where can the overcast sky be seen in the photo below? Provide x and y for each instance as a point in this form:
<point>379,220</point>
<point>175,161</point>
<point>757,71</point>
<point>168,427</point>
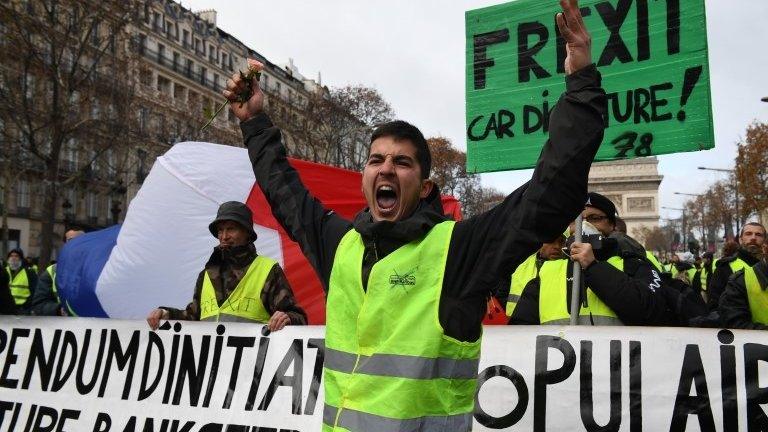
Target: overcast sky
<point>413,52</point>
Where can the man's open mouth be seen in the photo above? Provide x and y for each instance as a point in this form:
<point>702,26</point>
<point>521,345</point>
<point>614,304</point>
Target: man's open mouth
<point>386,197</point>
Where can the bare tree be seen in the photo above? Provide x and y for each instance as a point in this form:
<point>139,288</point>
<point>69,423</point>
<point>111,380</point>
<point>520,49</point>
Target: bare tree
<point>332,127</point>
<point>449,172</point>
<point>65,97</point>
<point>752,170</point>
<point>659,239</point>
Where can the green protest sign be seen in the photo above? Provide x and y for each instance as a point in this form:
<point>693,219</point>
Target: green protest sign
<point>653,58</point>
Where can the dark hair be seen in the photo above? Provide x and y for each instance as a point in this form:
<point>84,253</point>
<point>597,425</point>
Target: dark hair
<point>401,130</point>
<point>752,224</point>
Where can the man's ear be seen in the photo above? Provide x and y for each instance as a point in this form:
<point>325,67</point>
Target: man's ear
<point>426,188</point>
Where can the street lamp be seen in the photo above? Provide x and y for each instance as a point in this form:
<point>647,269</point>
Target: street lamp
<point>688,194</point>
<point>735,192</point>
<point>765,99</point>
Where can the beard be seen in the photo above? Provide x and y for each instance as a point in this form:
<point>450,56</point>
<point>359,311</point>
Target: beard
<point>754,250</point>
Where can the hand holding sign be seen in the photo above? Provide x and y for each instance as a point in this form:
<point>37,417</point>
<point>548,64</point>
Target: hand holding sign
<point>578,42</point>
<point>239,84</point>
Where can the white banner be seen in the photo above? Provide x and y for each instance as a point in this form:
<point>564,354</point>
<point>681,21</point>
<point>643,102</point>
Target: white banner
<point>100,375</point>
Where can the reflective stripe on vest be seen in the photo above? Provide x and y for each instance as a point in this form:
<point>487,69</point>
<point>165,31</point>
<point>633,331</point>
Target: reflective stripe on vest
<point>19,286</point>
<point>244,303</point>
<point>353,420</point>
<point>757,296</point>
<point>388,364</point>
<point>520,277</point>
<point>554,304</point>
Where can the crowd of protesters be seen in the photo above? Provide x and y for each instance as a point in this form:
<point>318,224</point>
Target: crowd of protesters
<point>623,284</point>
<point>407,288</point>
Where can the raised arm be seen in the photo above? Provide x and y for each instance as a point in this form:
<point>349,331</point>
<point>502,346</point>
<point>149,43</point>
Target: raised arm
<point>317,229</point>
<point>490,246</point>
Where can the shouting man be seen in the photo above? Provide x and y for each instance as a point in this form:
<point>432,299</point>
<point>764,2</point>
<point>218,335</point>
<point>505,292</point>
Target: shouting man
<point>406,287</point>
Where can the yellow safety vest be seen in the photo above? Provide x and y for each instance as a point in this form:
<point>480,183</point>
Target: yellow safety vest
<point>51,269</point>
<point>703,277</point>
<point>244,303</point>
<point>19,285</point>
<point>389,366</point>
<point>738,264</point>
<point>554,306</point>
<point>691,274</point>
<point>523,274</point>
<point>757,296</point>
<point>652,258</point>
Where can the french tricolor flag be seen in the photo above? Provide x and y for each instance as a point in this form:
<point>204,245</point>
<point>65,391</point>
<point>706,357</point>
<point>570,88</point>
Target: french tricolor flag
<point>154,257</point>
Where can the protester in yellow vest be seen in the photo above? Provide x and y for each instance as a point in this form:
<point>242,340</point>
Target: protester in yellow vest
<point>705,273</point>
<point>22,280</point>
<point>621,287</point>
<point>406,287</point>
<point>751,241</point>
<point>45,300</point>
<point>529,269</point>
<point>237,284</point>
<point>685,269</point>
<point>744,304</point>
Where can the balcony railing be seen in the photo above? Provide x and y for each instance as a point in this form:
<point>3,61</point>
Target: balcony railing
<point>173,66</point>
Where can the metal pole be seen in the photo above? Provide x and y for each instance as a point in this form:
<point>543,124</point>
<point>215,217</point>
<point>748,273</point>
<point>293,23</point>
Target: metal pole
<point>576,287</point>
<point>736,194</point>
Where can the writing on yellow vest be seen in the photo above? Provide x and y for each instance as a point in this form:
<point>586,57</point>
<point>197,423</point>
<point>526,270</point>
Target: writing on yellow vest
<point>524,273</point>
<point>19,285</point>
<point>554,303</point>
<point>757,296</point>
<point>388,363</point>
<point>244,303</point>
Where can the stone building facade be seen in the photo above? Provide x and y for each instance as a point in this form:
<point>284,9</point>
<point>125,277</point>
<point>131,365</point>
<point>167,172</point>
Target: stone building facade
<point>179,63</point>
<point>633,186</point>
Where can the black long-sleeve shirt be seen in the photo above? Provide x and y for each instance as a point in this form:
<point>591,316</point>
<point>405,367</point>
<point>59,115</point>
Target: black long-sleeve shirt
<point>734,303</point>
<point>482,249</point>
